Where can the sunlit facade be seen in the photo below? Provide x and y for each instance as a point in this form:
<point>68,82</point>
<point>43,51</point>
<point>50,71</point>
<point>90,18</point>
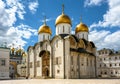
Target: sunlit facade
<point>64,56</point>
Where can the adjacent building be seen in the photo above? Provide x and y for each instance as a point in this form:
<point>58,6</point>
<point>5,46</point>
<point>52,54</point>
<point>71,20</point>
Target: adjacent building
<point>65,55</point>
<point>21,68</point>
<point>4,62</point>
<point>16,56</point>
<point>108,63</point>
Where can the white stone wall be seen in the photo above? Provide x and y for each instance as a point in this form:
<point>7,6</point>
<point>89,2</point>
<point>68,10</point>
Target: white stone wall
<point>58,52</point>
<point>108,65</point>
<point>31,55</point>
<point>38,69</point>
<point>82,35</point>
<point>43,36</point>
<point>63,28</point>
<point>67,58</point>
<point>4,70</point>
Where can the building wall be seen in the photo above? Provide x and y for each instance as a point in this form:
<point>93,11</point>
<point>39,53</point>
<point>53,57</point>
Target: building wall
<point>108,64</point>
<point>31,63</point>
<point>63,28</point>
<point>82,35</point>
<point>38,62</point>
<point>58,59</point>
<point>4,67</point>
<point>43,36</point>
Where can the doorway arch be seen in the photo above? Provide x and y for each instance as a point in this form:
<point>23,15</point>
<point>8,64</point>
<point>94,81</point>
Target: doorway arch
<point>45,63</point>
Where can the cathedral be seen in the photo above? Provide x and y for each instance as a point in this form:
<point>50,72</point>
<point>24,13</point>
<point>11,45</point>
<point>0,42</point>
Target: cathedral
<point>65,55</point>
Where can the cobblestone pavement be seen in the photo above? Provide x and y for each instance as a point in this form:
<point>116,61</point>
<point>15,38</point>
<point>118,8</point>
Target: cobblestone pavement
<point>61,81</point>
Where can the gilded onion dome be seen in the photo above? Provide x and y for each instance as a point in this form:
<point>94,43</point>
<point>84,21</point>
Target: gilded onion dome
<point>23,54</point>
<point>81,28</point>
<point>44,29</point>
<point>63,18</point>
<point>12,49</point>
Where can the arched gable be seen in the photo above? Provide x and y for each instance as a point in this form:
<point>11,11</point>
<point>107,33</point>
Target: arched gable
<point>81,44</point>
<point>93,45</point>
<point>57,37</point>
<point>73,42</point>
<point>89,47</point>
<point>30,48</point>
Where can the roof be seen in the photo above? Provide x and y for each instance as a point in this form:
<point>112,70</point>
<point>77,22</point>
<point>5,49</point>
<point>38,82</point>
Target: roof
<point>81,50</point>
<point>4,48</point>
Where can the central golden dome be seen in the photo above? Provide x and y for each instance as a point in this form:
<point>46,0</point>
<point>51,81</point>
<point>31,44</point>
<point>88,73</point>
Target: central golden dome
<point>44,29</point>
<point>81,28</point>
<point>62,19</point>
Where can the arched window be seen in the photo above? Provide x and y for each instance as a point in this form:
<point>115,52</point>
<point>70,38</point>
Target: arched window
<point>48,37</point>
<point>83,36</point>
<point>100,65</point>
<point>105,73</point>
<point>46,46</point>
<point>104,58</point>
<point>69,29</point>
<point>43,37</point>
<point>63,29</point>
<point>110,65</point>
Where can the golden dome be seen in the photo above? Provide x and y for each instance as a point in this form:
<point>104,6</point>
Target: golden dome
<point>62,19</point>
<point>23,54</point>
<point>44,29</point>
<point>13,49</point>
<point>81,28</point>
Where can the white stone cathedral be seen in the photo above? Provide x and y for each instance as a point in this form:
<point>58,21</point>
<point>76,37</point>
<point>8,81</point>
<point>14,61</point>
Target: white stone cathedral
<point>65,55</point>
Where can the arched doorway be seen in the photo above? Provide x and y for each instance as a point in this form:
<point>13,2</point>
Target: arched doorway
<point>45,63</point>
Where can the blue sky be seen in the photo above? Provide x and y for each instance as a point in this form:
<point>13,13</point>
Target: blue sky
<point>21,19</point>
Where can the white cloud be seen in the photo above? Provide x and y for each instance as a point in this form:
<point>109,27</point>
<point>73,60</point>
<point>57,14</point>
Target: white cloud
<point>19,7</point>
<point>111,18</point>
<point>16,34</point>
<point>105,39</point>
<point>92,2</point>
<point>9,11</point>
<point>33,6</point>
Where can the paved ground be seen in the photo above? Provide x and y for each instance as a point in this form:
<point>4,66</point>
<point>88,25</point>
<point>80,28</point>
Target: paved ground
<point>61,81</point>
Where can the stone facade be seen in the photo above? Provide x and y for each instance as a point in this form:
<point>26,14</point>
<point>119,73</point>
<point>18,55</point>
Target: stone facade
<point>16,57</point>
<point>4,62</point>
<point>108,63</point>
<point>65,55</point>
<point>21,68</point>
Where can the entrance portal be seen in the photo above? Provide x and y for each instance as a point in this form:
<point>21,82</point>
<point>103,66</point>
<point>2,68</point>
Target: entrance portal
<point>45,63</point>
